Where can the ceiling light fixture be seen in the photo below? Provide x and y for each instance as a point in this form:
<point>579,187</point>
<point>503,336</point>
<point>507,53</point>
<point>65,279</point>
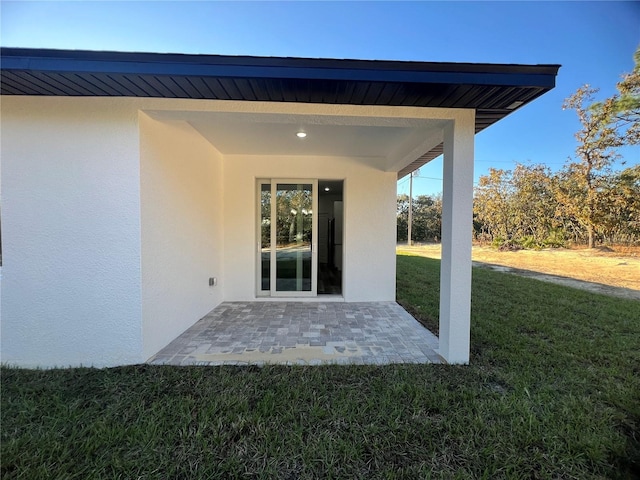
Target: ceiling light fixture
<point>515,105</point>
<point>301,134</point>
<point>326,189</point>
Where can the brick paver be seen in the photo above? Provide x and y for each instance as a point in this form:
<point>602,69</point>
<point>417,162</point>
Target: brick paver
<point>304,333</point>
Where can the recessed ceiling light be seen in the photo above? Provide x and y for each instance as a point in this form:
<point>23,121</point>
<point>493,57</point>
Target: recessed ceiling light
<point>326,189</point>
<point>301,134</point>
<point>515,105</point>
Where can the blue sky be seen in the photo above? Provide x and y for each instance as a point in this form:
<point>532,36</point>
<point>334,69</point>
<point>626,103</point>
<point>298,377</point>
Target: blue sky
<point>593,41</point>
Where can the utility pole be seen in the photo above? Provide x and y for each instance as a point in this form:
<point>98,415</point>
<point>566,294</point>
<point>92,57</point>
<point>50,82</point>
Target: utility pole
<point>410,222</point>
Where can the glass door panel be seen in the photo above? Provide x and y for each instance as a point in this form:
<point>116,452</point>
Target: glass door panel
<point>293,253</point>
<point>265,237</point>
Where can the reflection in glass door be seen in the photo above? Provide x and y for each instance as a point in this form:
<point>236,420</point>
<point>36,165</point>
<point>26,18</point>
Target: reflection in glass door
<point>294,231</point>
<point>265,237</point>
<point>288,260</point>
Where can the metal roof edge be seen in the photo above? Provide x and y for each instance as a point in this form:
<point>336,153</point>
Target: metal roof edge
<point>276,67</point>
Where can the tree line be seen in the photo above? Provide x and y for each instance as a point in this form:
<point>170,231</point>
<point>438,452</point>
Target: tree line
<point>586,202</point>
<point>532,207</point>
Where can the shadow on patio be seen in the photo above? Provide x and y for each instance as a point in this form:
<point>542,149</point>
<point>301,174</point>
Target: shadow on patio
<point>314,333</point>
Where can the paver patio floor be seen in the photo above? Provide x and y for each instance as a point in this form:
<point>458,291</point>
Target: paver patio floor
<point>303,333</point>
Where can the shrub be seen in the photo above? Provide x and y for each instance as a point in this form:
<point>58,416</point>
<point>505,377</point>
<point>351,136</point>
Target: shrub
<point>505,245</point>
<point>556,239</point>
<point>529,242</point>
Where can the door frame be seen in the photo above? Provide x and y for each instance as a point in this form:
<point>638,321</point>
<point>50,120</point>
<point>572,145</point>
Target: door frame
<point>272,292</point>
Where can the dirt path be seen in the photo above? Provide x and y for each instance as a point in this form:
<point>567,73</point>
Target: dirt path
<point>605,272</point>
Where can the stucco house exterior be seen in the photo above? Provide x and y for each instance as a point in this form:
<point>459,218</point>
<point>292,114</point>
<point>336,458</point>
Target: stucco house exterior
<point>141,190</point>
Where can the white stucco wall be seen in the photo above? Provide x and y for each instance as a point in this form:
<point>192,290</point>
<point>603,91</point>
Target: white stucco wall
<point>182,242</point>
<point>114,219</point>
<point>369,221</point>
<point>70,232</point>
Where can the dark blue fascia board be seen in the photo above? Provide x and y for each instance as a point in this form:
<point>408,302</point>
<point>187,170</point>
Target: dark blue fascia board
<point>542,76</point>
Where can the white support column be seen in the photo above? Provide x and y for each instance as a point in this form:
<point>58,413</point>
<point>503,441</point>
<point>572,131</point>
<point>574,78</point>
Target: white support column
<point>457,218</point>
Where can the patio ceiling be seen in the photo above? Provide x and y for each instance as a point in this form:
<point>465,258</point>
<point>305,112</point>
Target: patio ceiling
<point>493,90</point>
<point>385,140</point>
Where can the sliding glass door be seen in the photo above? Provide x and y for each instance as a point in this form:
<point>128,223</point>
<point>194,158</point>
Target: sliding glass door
<point>287,245</point>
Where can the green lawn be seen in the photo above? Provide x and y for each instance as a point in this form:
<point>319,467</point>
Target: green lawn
<point>552,392</point>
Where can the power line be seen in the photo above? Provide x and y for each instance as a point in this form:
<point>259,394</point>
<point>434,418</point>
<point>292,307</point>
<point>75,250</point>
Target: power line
<point>403,182</point>
<point>429,178</point>
<point>513,162</point>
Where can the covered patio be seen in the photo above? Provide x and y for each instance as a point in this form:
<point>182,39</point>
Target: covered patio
<point>303,333</point>
<point>175,174</point>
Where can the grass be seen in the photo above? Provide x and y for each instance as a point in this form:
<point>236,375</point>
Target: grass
<point>552,392</point>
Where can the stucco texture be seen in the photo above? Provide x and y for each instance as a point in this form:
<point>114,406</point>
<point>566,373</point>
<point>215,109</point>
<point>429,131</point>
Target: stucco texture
<point>71,229</point>
<point>181,212</point>
<point>116,212</point>
<point>369,221</point>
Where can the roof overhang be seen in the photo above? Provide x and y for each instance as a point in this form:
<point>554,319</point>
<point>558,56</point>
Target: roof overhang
<point>492,90</point>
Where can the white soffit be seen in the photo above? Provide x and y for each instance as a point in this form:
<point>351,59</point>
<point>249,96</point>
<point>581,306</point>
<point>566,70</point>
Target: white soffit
<point>275,134</point>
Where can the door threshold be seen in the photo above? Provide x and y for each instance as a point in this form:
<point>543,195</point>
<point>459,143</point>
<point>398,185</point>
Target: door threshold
<point>319,298</point>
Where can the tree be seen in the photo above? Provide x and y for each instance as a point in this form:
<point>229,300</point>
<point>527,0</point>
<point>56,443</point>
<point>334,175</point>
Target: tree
<point>402,214</point>
<point>628,196</point>
<point>533,202</point>
<point>625,106</point>
<point>570,197</point>
<point>621,194</point>
<point>516,207</point>
<point>491,204</point>
<point>427,218</point>
<point>597,139</point>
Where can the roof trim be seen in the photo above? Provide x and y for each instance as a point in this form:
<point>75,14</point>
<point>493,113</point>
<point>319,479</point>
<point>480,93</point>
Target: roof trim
<point>46,60</point>
<point>492,90</point>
